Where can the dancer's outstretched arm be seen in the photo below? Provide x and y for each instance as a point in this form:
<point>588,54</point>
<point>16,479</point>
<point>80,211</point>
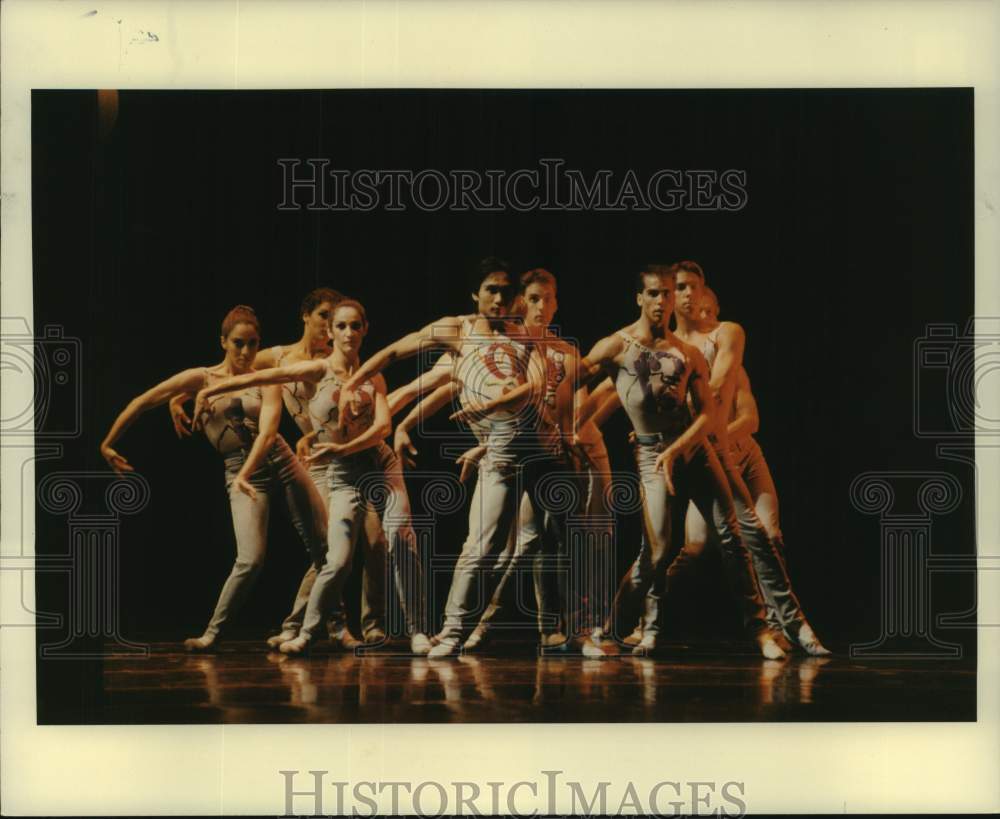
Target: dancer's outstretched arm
<point>423,384</point>
<point>186,381</point>
<point>311,371</point>
<point>179,418</point>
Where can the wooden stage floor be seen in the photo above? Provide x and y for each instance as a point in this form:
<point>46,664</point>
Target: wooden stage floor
<point>244,683</point>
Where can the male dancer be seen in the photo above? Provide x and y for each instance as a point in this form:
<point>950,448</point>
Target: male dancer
<point>317,313</point>
<point>697,318</point>
<point>655,373</point>
<point>492,358</point>
<point>588,574</point>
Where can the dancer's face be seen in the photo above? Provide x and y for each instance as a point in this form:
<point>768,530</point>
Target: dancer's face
<point>657,298</point>
<point>241,346</point>
<point>690,290</point>
<point>317,323</point>
<point>349,329</point>
<point>495,295</point>
<point>709,310</point>
<point>540,305</point>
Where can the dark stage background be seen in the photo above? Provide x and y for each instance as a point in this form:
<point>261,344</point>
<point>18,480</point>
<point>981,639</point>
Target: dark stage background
<point>857,233</point>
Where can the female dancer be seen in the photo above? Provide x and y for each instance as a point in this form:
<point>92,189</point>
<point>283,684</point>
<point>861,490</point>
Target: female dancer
<point>243,427</point>
<point>361,468</point>
<point>317,314</point>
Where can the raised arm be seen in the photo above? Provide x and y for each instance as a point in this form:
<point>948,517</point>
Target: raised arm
<point>603,358</point>
<point>444,334</point>
<point>509,401</point>
<point>311,371</point>
<point>267,431</point>
<point>747,420</point>
<point>436,376</point>
<point>183,382</point>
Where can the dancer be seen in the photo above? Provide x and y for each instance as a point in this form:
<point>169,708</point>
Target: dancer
<point>749,476</point>
<point>537,305</point>
<point>722,345</point>
<point>491,358</point>
<point>361,469</point>
<point>317,313</point>
<point>655,373</point>
<point>243,427</point>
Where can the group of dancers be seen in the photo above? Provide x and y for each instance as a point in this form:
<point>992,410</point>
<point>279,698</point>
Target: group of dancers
<point>543,490</point>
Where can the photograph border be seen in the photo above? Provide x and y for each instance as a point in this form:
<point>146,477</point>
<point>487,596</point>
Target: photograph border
<point>232,769</point>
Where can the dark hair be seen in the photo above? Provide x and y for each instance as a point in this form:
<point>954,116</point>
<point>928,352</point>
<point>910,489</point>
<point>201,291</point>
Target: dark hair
<point>240,314</point>
<point>318,296</point>
<point>491,264</point>
<point>357,305</point>
<point>652,270</point>
<point>710,293</point>
<point>537,275</point>
<point>688,266</point>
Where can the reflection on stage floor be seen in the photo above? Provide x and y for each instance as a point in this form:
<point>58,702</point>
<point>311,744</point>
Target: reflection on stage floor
<point>244,683</point>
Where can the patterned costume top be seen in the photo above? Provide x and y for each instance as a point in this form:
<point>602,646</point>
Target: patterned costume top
<point>230,420</point>
<point>555,373</point>
<point>652,386</point>
<point>490,366</point>
<point>296,396</point>
<point>324,408</point>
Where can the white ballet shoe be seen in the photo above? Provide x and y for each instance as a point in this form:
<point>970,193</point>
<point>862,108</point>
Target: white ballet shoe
<point>343,640</point>
<point>769,646</point>
<point>555,640</point>
<point>442,650</point>
<point>300,645</point>
<point>591,649</point>
<point>420,644</point>
<point>810,642</point>
<point>475,639</point>
<point>206,642</point>
<point>647,645</point>
<point>634,638</point>
<point>374,636</point>
<point>284,637</point>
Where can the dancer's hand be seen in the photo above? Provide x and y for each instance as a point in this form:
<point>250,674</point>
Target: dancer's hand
<point>115,461</point>
<point>200,404</point>
<point>244,486</point>
<point>321,450</point>
<point>469,461</point>
<point>303,446</point>
<point>665,462</point>
<point>350,401</point>
<point>578,453</point>
<point>182,424</point>
<point>404,448</point>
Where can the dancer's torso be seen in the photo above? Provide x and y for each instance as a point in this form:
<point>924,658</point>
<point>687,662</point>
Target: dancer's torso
<point>324,409</point>
<point>652,385</point>
<point>230,420</point>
